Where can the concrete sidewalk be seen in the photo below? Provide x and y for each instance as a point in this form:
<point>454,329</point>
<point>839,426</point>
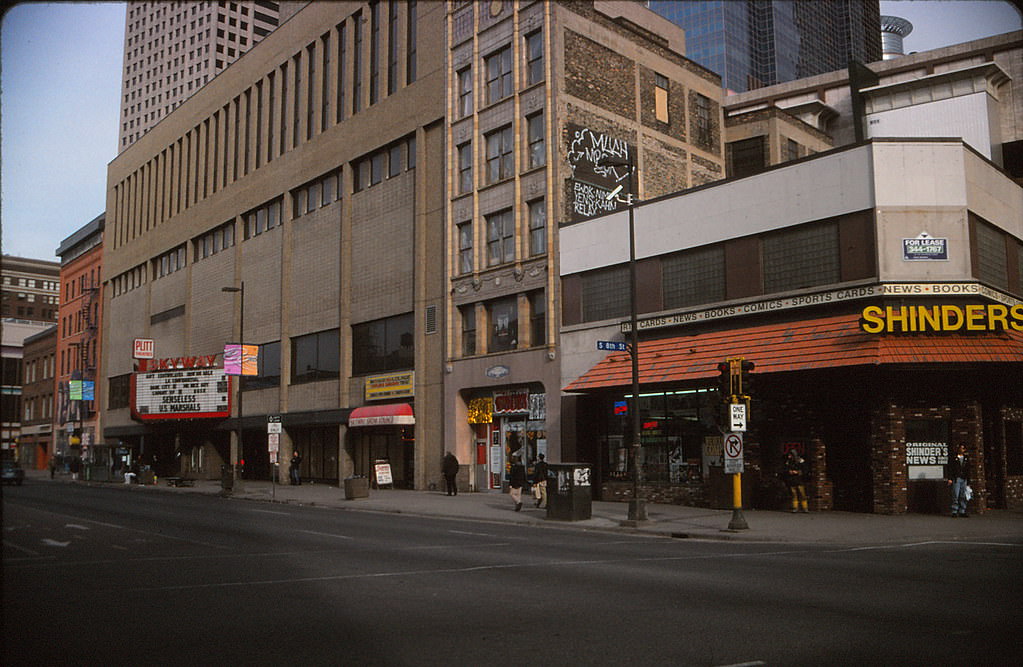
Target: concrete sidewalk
<point>838,528</point>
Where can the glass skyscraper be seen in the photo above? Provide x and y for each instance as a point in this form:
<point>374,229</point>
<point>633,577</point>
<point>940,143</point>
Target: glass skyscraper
<point>757,43</point>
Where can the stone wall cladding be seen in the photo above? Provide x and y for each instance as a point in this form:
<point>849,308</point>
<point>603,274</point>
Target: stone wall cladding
<point>705,171</point>
<point>315,283</point>
<point>665,168</point>
<point>1013,490</point>
<point>600,76</point>
<point>647,40</point>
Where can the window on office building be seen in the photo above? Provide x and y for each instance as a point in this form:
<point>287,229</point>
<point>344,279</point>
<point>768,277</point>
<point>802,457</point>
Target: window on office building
<point>465,168</point>
<point>383,345</point>
<point>746,157</point>
<point>468,314</point>
<point>702,135</point>
<point>661,98</point>
<point>537,318</point>
<point>537,227</point>
<point>465,263</point>
<point>498,67</point>
<point>503,316</point>
<point>693,277</point>
<point>268,364</point>
<point>500,154</point>
<point>536,137</point>
<point>801,257</point>
<point>500,238</point>
<point>465,92</point>
<point>605,294</point>
<point>992,264</point>
<point>262,219</point>
<point>534,58</point>
<point>315,357</point>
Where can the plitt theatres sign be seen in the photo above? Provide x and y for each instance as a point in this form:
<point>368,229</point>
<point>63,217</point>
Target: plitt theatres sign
<point>599,164</point>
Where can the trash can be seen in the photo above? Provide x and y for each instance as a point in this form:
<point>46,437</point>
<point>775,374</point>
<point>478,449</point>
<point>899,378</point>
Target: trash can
<point>356,487</point>
<point>569,497</point>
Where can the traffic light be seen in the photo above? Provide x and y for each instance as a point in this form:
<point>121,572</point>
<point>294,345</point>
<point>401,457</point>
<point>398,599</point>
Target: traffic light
<point>746,377</point>
<point>724,381</point>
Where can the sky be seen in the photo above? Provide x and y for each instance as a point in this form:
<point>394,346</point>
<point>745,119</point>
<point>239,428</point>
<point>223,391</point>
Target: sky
<point>60,83</point>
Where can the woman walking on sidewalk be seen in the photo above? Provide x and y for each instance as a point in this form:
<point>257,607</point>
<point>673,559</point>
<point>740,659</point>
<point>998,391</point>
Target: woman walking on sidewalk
<point>795,479</point>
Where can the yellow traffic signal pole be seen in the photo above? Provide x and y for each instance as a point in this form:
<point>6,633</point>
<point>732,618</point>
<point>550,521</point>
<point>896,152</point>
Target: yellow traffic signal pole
<point>738,521</point>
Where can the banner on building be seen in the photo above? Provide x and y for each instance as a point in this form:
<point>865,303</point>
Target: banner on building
<point>241,359</point>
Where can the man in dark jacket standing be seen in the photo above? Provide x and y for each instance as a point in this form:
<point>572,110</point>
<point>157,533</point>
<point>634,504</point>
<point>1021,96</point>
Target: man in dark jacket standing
<point>516,480</point>
<point>958,474</point>
<point>296,466</point>
<point>449,468</point>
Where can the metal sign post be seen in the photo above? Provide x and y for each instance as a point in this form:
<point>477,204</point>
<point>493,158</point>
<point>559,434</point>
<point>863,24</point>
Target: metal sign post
<point>734,466</point>
<point>273,445</point>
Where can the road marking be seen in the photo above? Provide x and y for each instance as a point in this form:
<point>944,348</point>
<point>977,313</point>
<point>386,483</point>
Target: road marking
<point>466,532</point>
<point>20,548</point>
<point>461,547</point>
<point>54,543</point>
<point>75,526</point>
<point>340,537</point>
<point>270,512</point>
<point>746,664</point>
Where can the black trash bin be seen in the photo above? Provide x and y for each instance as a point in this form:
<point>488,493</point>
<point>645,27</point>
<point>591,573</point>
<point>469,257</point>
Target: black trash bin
<point>569,497</point>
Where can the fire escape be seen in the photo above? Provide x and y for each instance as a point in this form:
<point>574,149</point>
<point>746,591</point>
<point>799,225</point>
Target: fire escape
<point>85,368</point>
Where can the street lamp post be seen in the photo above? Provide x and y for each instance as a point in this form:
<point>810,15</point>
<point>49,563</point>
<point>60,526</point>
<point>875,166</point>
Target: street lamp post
<point>637,504</point>
<point>237,448</point>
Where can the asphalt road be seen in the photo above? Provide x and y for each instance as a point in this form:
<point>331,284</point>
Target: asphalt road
<point>98,576</point>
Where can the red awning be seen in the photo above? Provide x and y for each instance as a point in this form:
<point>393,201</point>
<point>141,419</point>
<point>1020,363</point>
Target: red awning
<point>795,346</point>
<point>393,414</point>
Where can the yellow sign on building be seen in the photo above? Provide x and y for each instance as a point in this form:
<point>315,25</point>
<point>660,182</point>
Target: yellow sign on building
<point>391,385</point>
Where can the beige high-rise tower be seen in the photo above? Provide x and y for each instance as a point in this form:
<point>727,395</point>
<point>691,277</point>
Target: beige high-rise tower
<point>171,49</point>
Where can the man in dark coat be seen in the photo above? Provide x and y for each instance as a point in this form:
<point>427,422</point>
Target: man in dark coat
<point>449,468</point>
<point>517,480</point>
<point>957,472</point>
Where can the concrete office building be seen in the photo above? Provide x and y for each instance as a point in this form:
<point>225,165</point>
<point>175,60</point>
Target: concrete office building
<point>763,42</point>
<point>171,49</point>
<point>541,97</point>
<point>308,178</point>
<point>29,288</point>
<point>78,348</point>
<point>878,288</point>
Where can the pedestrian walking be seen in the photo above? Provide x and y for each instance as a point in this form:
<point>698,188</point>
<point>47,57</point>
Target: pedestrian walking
<point>449,468</point>
<point>957,472</point>
<point>540,481</point>
<point>794,473</point>
<point>53,467</point>
<point>296,462</point>
<point>76,467</point>
<point>517,480</point>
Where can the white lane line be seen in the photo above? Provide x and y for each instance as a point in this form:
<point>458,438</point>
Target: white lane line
<point>75,526</point>
<point>466,532</point>
<point>340,537</point>
<point>54,543</point>
<point>21,548</point>
<point>270,512</point>
<point>460,547</point>
<point>746,664</point>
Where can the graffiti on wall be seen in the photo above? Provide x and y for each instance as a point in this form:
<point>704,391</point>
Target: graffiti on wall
<point>599,164</point>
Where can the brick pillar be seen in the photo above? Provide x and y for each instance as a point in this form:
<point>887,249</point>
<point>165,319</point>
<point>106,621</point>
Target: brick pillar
<point>820,487</point>
<point>888,461</point>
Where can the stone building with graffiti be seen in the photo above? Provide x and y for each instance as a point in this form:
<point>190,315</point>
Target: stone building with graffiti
<point>542,95</point>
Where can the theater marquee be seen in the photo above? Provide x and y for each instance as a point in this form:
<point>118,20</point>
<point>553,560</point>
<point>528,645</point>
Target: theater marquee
<point>193,393</point>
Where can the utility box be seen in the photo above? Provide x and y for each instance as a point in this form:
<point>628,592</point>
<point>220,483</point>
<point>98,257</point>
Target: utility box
<point>569,494</point>
<point>356,487</point>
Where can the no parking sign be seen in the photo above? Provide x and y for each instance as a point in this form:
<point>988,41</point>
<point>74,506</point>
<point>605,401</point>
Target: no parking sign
<point>733,453</point>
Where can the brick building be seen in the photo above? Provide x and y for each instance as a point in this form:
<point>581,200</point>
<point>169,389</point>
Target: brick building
<point>78,351</point>
<point>35,443</point>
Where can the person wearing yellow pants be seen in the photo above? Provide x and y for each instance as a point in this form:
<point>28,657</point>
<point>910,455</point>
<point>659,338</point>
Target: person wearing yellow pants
<point>794,473</point>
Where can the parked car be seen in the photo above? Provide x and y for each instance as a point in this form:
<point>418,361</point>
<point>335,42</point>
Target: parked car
<point>12,473</point>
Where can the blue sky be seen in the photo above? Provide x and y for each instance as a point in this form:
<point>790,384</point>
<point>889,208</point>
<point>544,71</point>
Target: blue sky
<point>60,85</point>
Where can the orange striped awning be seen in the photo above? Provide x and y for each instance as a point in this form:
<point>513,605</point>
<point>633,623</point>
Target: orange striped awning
<point>827,342</point>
